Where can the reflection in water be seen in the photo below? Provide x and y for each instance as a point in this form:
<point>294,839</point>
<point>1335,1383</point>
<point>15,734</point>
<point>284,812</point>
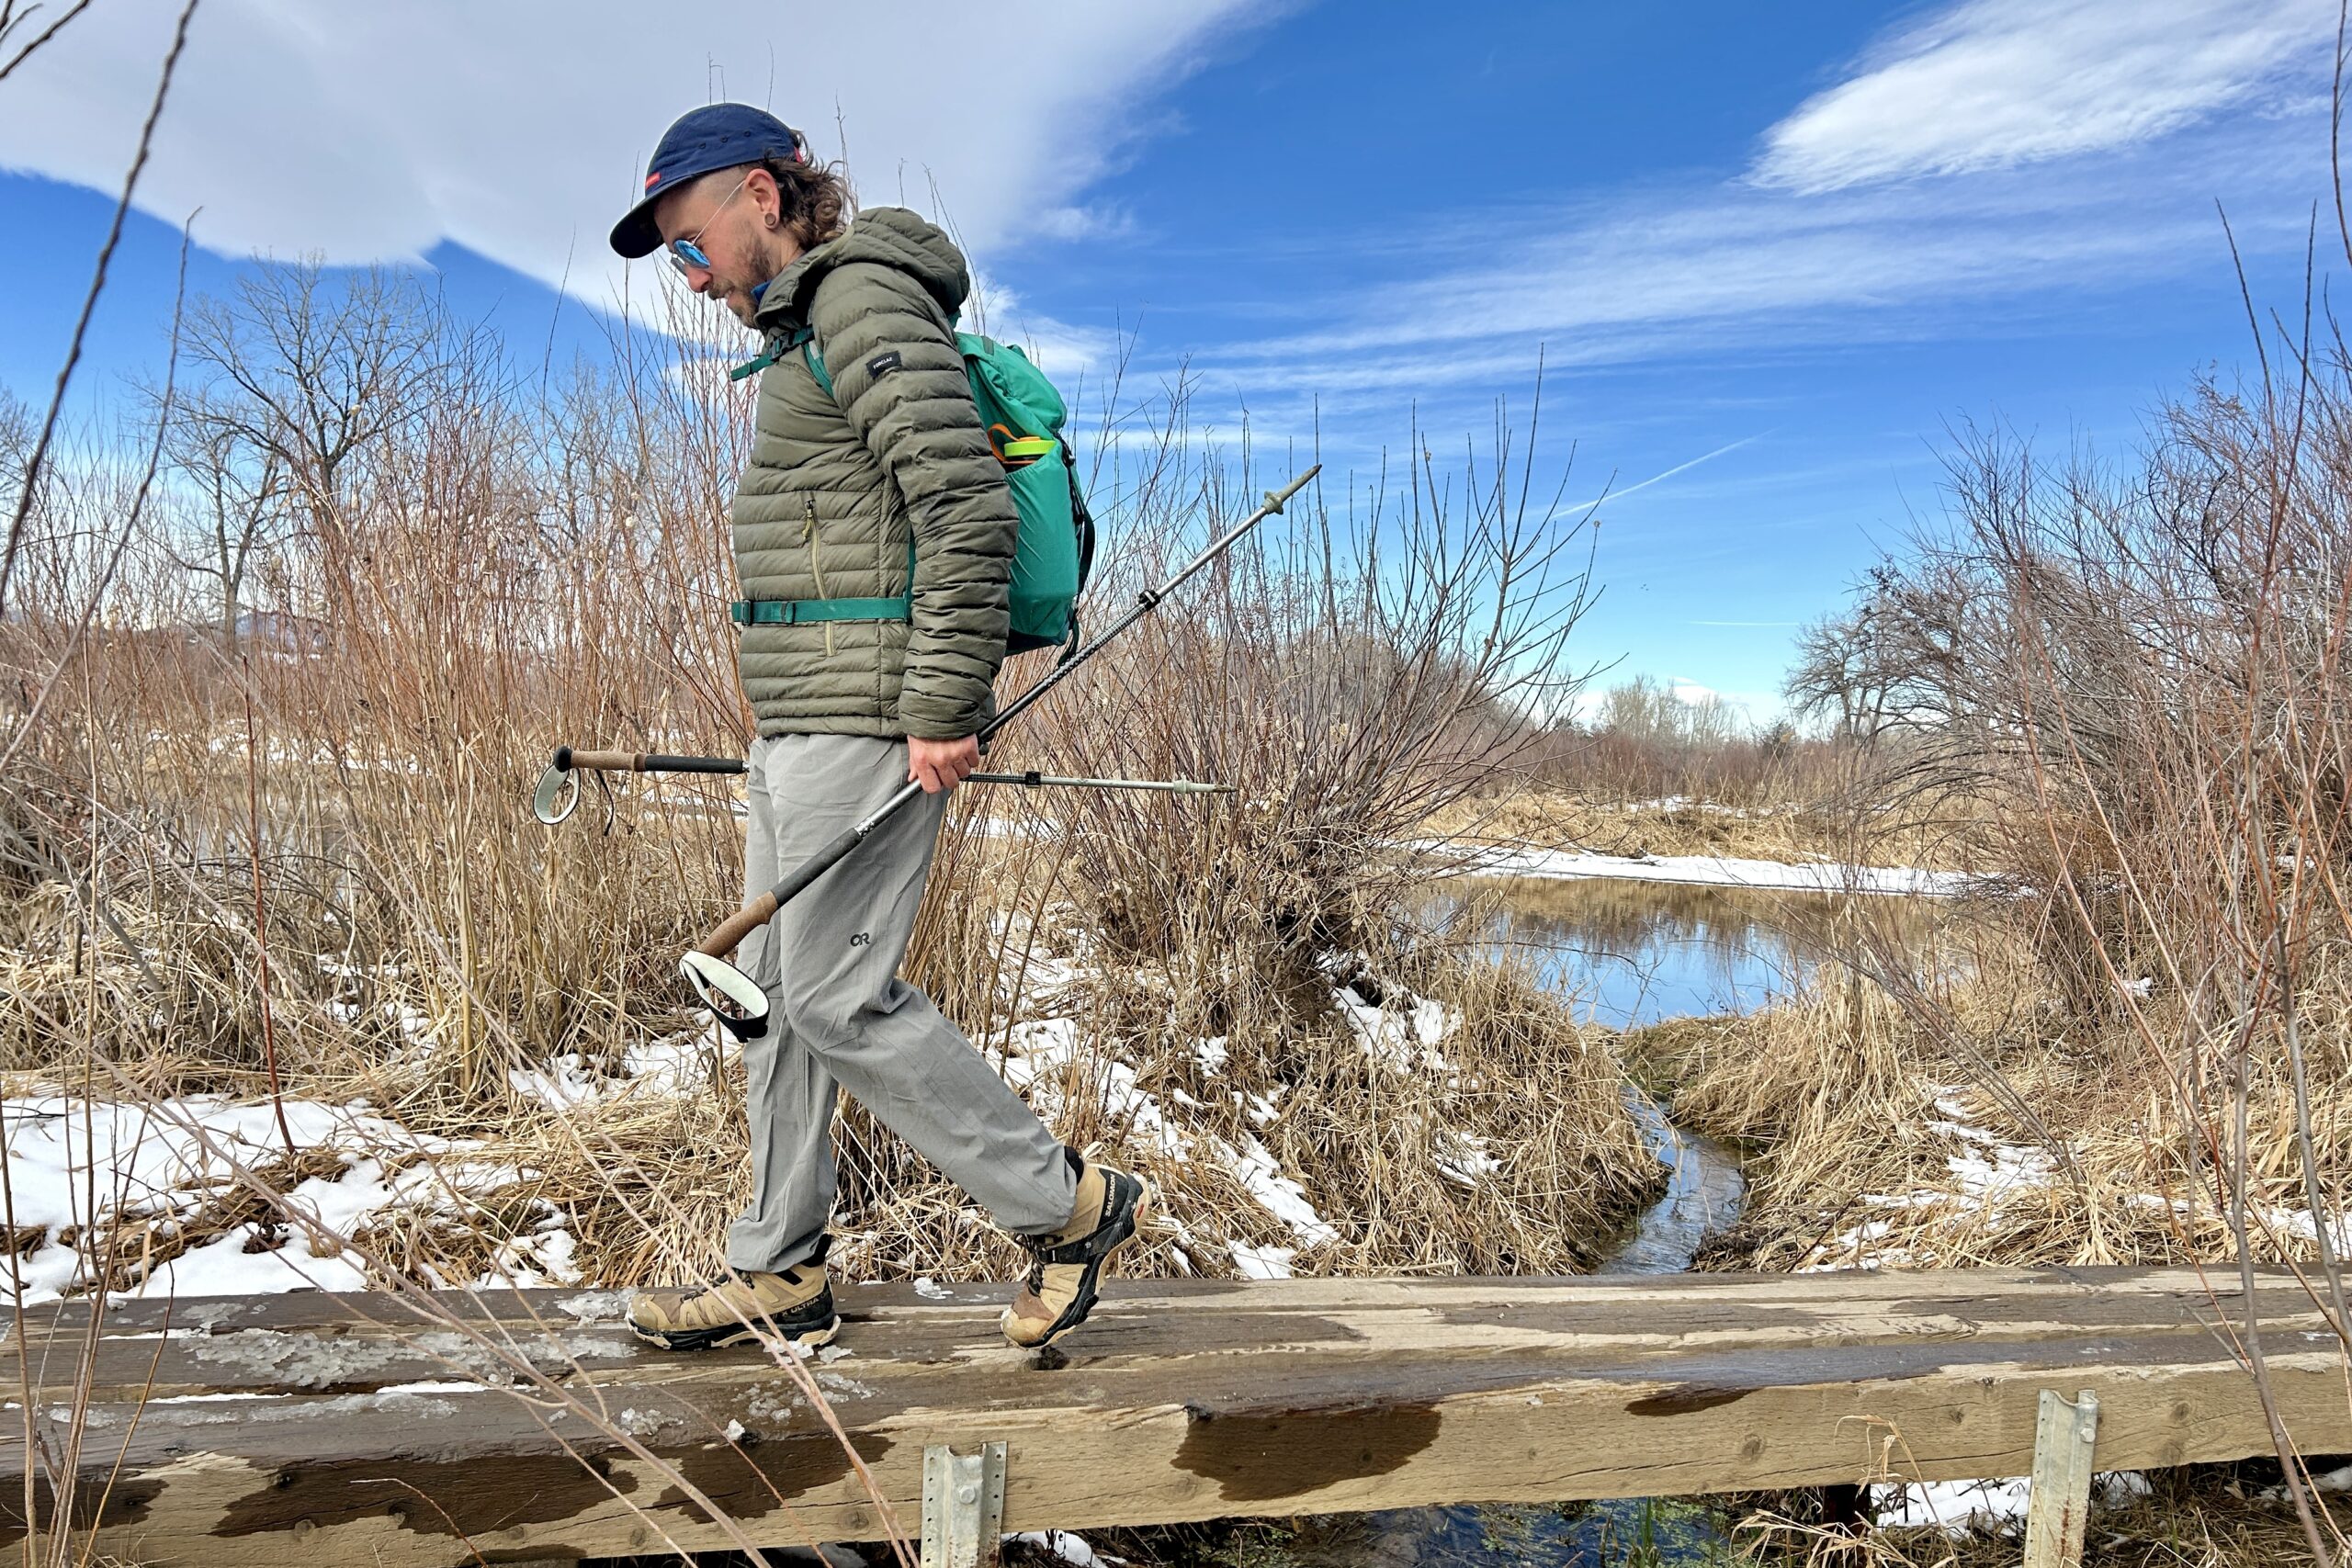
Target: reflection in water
<point>1637,953</point>
<point>1615,1533</point>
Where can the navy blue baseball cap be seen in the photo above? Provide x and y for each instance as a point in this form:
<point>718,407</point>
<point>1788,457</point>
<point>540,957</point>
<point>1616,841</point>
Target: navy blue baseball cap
<point>717,136</point>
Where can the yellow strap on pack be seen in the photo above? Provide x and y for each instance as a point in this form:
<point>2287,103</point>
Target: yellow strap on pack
<point>1028,447</point>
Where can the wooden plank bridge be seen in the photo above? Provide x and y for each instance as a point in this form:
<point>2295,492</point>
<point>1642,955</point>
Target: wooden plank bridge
<point>312,1428</point>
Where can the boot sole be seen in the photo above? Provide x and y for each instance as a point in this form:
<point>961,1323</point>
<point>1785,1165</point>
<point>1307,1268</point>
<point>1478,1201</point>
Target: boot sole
<point>1144,1198</point>
<point>727,1333</point>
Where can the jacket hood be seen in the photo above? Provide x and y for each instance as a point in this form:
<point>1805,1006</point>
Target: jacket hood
<point>889,235</point>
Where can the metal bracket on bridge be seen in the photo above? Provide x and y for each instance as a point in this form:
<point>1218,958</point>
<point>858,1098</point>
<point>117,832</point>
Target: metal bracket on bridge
<point>2060,1501</point>
<point>962,1506</point>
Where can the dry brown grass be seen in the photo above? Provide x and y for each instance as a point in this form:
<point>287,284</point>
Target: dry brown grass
<point>1849,1101</point>
<point>1788,827</point>
<point>2198,1517</point>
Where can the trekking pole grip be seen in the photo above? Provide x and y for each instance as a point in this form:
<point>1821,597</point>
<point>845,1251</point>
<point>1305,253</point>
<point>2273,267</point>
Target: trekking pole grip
<point>762,910</point>
<point>603,762</point>
<point>738,925</point>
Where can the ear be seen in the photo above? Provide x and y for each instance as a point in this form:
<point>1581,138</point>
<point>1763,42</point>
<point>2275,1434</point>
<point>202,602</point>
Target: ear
<point>765,196</point>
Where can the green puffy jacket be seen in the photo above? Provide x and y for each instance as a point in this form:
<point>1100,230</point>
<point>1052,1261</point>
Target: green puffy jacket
<point>838,480</point>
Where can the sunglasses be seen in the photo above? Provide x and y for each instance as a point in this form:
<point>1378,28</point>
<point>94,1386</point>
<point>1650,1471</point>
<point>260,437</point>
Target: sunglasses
<point>684,251</point>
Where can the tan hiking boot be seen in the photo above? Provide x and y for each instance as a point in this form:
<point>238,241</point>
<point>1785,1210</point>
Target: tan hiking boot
<point>1060,1290</point>
<point>796,1305</point>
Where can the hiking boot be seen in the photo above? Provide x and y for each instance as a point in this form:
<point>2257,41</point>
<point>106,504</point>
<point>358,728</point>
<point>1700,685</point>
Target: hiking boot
<point>796,1305</point>
<point>1068,1263</point>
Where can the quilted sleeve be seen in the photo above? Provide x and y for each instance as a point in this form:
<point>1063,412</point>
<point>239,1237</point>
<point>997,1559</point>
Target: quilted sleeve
<point>900,380</point>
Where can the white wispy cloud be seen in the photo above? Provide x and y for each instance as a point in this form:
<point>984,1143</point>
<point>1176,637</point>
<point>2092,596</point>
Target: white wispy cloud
<point>1731,269</point>
<point>1753,706</point>
<point>520,129</point>
<point>2145,111</point>
<point>1063,351</point>
<point>1993,84</point>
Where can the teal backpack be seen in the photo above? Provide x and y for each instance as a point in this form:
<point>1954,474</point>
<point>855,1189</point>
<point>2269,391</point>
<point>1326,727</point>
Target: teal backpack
<point>1053,552</point>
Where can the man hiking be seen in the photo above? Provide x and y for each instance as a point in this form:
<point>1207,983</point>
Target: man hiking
<point>874,543</point>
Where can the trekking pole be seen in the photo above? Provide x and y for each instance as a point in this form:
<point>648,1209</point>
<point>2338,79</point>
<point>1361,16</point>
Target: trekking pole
<point>559,789</point>
<point>737,1001</point>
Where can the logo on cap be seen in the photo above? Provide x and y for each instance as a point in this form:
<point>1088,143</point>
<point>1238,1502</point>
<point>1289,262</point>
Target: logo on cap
<point>652,179</point>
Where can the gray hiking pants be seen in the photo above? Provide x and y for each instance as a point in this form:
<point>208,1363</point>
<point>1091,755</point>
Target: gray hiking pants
<point>840,1018</point>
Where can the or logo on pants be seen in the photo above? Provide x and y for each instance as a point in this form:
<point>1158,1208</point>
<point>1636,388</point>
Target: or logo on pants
<point>860,940</point>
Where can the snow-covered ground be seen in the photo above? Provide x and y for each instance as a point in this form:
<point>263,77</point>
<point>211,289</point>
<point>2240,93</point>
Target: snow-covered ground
<point>1049,1059</point>
<point>1986,1173</point>
<point>674,1064</point>
<point>71,1161</point>
<point>1069,1547</point>
<point>1709,870</point>
<point>1960,1506</point>
<point>169,1168</point>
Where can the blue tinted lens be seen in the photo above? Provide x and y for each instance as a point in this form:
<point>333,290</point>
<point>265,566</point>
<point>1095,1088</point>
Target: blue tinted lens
<point>684,253</point>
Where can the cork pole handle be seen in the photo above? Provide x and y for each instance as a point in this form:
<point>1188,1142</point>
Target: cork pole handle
<point>738,925</point>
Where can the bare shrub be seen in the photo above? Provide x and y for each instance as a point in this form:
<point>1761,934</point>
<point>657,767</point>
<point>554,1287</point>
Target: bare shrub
<point>2133,674</point>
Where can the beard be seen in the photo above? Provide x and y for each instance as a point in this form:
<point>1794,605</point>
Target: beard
<point>770,255</point>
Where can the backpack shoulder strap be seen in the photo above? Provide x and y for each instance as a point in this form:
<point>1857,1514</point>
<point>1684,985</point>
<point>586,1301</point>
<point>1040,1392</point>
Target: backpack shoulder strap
<point>771,351</point>
<point>816,360</point>
<point>776,347</point>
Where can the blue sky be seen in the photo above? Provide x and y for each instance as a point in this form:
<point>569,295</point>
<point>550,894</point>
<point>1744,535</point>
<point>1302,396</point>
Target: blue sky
<point>1777,254</point>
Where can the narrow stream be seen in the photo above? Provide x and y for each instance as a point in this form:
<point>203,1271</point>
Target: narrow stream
<point>1704,1188</point>
<point>1629,955</point>
<point>1633,953</point>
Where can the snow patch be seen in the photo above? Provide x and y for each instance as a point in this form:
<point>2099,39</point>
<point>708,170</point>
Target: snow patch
<point>1063,1544</point>
<point>1529,859</point>
<point>1958,1506</point>
<point>563,1085</point>
<point>1262,1262</point>
<point>1400,1038</point>
<point>1045,1059</point>
<point>1278,1194</point>
<point>150,1162</point>
<point>1985,1174</point>
<point>1463,1156</point>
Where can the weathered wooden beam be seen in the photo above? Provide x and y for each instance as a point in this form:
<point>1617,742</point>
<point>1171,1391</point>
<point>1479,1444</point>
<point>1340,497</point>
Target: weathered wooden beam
<point>308,1429</point>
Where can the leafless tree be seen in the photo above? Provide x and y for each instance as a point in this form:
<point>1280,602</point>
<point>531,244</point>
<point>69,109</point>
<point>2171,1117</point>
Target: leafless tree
<point>235,510</point>
<point>16,444</point>
<point>1840,676</point>
<point>305,375</point>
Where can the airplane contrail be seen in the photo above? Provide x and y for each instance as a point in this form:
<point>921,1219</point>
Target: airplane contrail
<point>1677,469</point>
